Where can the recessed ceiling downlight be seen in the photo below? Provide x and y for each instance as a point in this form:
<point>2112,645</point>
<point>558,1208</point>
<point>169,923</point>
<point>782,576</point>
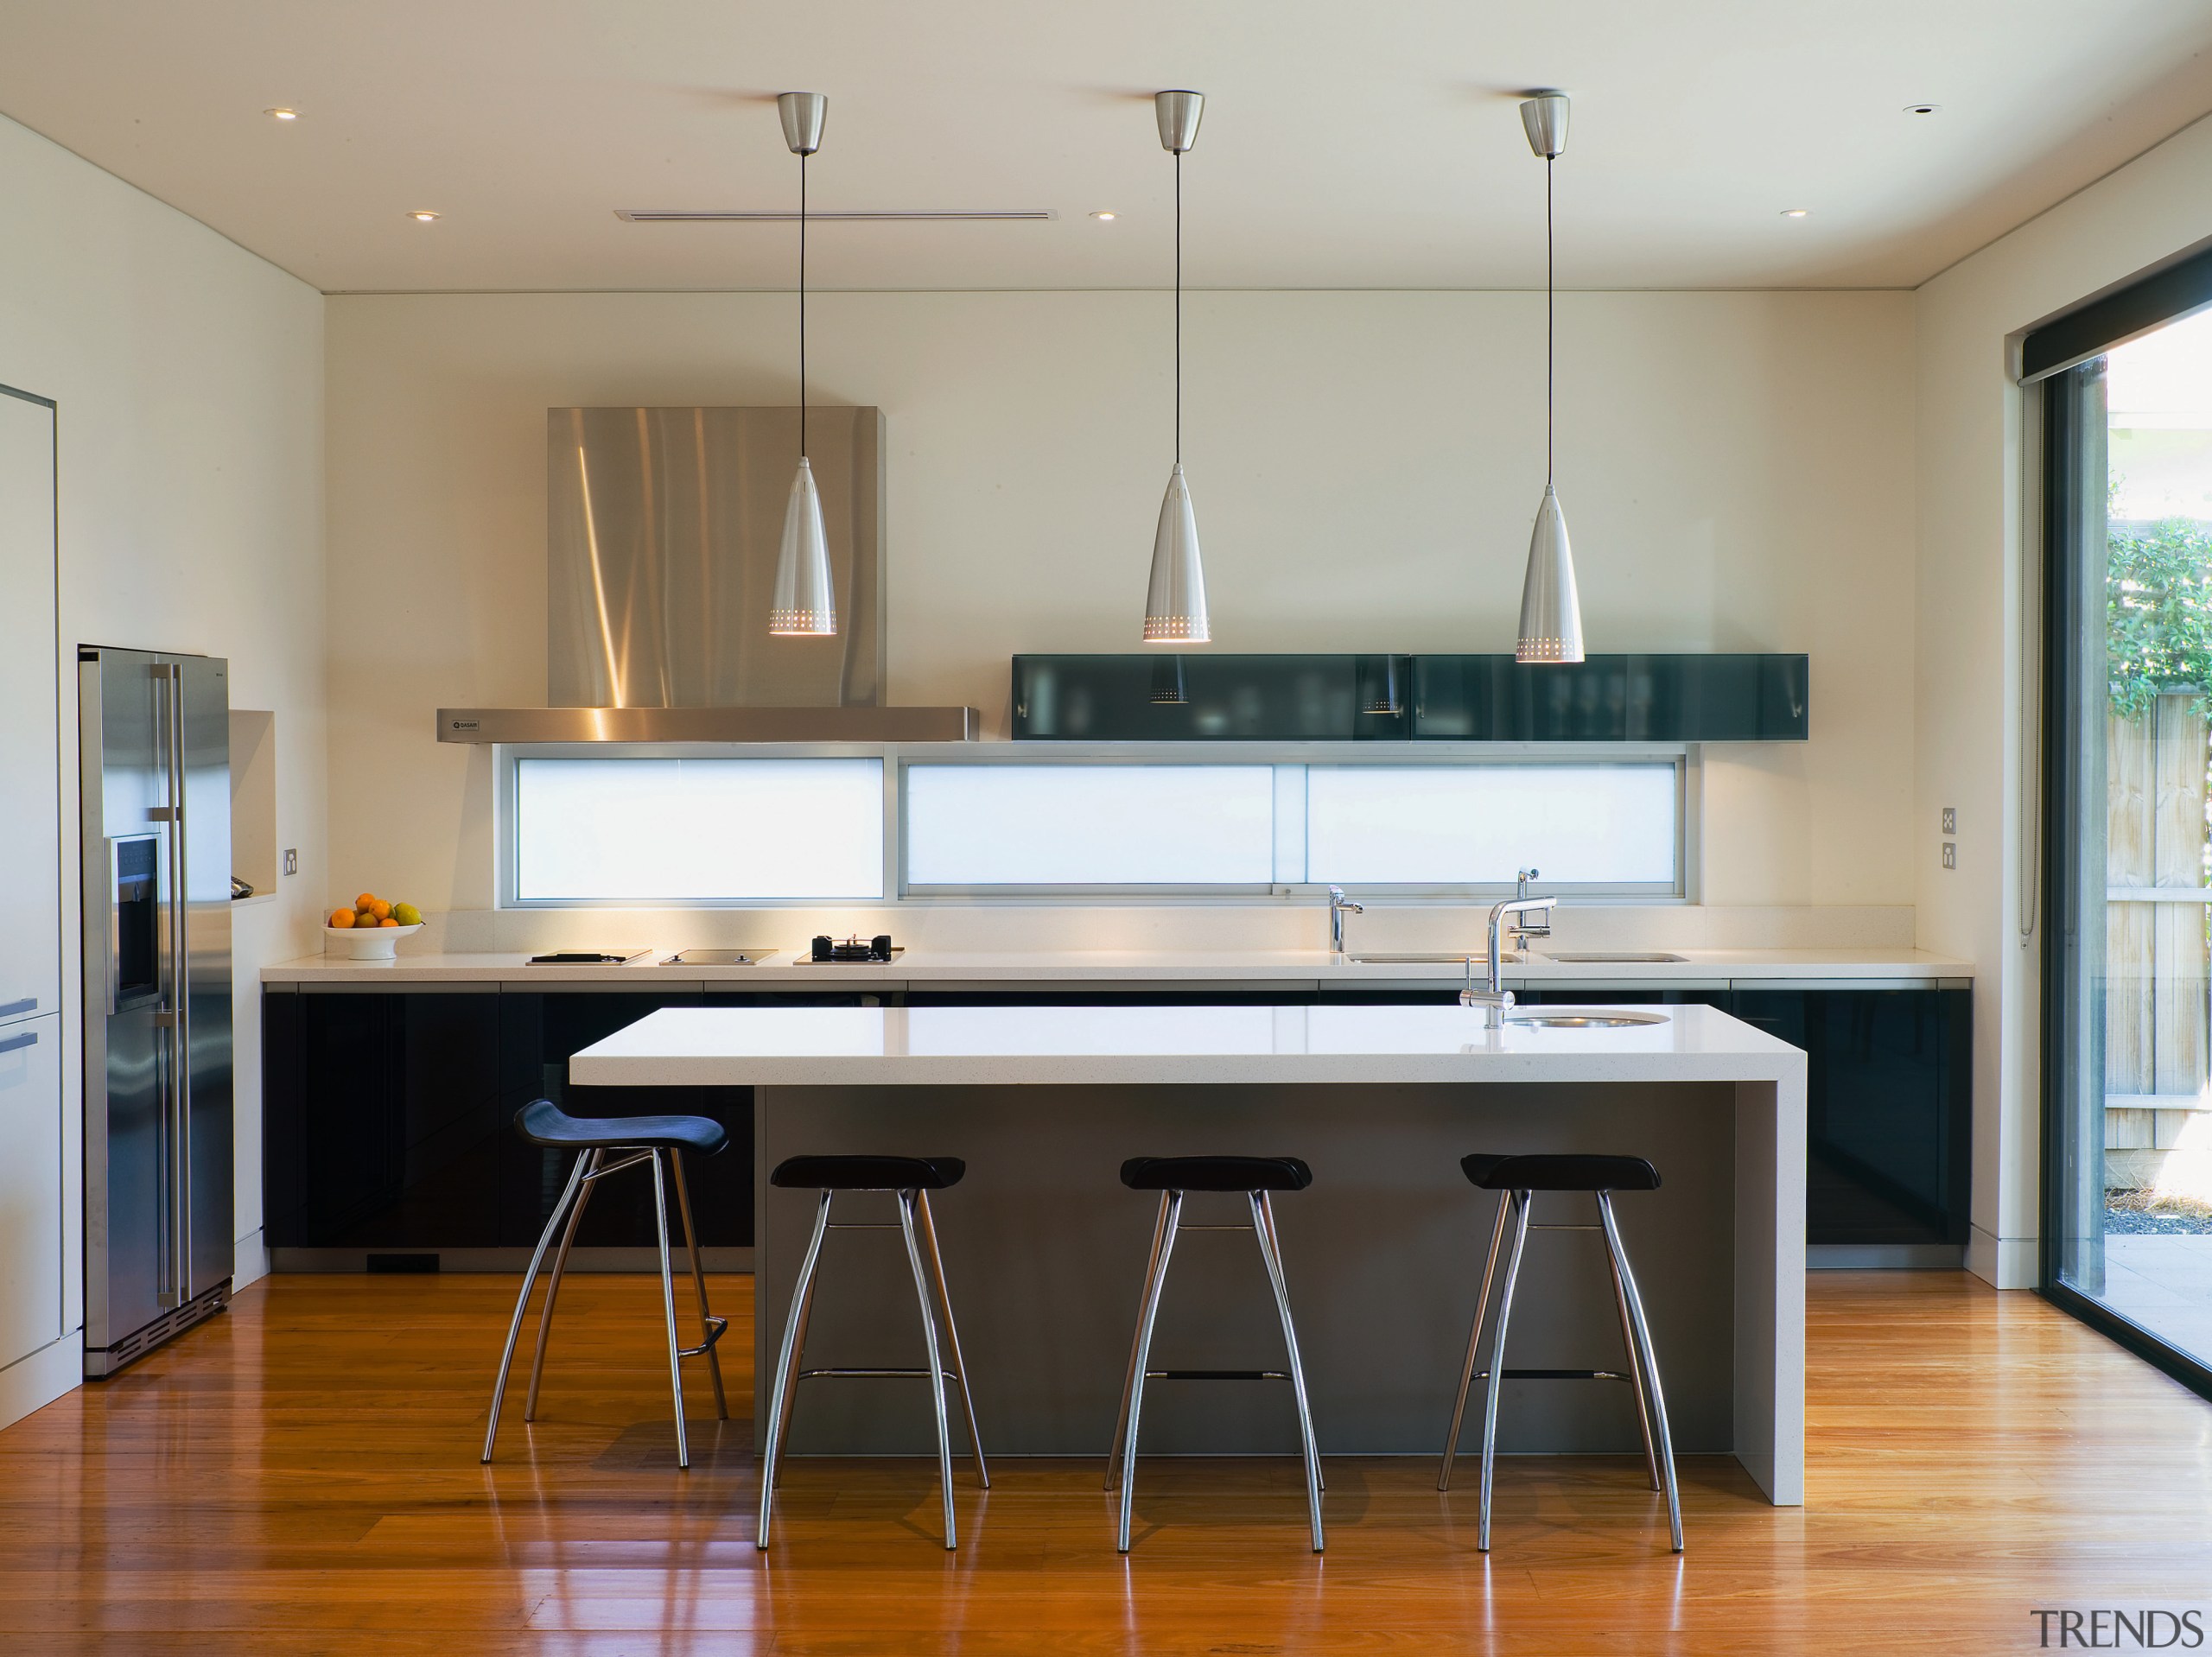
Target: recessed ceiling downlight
<point>1104,215</point>
<point>1922,109</point>
<point>282,113</point>
<point>423,216</point>
<point>1796,212</point>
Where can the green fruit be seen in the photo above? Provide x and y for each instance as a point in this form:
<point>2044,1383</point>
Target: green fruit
<point>407,914</point>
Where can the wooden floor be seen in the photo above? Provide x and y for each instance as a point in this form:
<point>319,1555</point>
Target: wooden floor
<point>299,1476</point>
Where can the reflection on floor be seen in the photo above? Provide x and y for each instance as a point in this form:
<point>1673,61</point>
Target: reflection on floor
<point>300,1476</point>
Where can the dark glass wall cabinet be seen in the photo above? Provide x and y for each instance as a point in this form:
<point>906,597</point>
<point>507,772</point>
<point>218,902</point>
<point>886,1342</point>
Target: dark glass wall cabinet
<point>1201,696</point>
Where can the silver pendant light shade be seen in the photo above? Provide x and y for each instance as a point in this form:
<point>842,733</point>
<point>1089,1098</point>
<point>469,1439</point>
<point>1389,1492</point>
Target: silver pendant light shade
<point>805,602</point>
<point>1551,612</point>
<point>1175,602</point>
<point>1551,609</point>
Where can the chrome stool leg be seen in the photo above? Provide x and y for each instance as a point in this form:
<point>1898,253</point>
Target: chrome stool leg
<point>1650,1366</point>
<point>1521,1203</point>
<point>553,1288</point>
<point>521,1300</point>
<point>1474,1346</point>
<point>951,1333</point>
<point>709,1332</point>
<point>1130,1380</point>
<point>1148,1314</point>
<point>930,1346</point>
<point>771,1437</point>
<point>1635,1370</point>
<point>668,1306</point>
<point>1263,1226</point>
<point>805,1304</point>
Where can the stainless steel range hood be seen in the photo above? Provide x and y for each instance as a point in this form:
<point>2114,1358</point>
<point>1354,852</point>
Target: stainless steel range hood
<point>661,531</point>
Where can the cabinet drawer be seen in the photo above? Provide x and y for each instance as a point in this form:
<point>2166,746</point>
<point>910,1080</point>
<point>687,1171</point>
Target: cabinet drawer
<point>30,1186</point>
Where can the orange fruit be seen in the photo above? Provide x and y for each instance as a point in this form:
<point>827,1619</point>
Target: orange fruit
<point>342,918</point>
<point>387,921</point>
<point>381,910</point>
<point>366,900</point>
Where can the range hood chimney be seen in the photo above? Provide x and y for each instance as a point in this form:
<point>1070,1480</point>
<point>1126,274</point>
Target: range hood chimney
<point>661,531</point>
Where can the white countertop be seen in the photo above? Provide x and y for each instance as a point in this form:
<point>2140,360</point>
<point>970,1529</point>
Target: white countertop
<point>972,1046</point>
<point>1301,969</point>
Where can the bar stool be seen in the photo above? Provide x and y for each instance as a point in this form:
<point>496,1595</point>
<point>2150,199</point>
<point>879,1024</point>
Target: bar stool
<point>644,1139</point>
<point>1257,1178</point>
<point>911,1179</point>
<point>1518,1180</point>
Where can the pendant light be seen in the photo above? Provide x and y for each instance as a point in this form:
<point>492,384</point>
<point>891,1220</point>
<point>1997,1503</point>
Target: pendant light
<point>806,604</point>
<point>1551,611</point>
<point>1175,603</point>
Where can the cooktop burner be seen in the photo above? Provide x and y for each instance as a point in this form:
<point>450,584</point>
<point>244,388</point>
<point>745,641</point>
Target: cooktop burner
<point>827,951</point>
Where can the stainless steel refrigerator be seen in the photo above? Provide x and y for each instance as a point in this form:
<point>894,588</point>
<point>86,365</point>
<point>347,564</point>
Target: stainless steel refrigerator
<point>154,741</point>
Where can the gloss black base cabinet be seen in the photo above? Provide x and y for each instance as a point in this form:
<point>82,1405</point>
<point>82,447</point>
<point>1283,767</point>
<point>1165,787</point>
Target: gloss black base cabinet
<point>387,1121</point>
<point>1889,1102</point>
<point>387,1117</point>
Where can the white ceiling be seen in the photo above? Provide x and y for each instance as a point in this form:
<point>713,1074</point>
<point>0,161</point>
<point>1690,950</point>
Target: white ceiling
<point>1343,146</point>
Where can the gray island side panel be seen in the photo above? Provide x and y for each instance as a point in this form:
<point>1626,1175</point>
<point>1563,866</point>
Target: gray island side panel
<point>1045,1252</point>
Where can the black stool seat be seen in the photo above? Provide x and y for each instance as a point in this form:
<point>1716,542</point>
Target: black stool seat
<point>1215,1174</point>
<point>1559,1172</point>
<point>543,1122</point>
<point>869,1173</point>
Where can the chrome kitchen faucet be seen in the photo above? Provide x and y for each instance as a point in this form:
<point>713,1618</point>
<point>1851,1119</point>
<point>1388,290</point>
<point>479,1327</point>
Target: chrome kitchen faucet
<point>1496,997</point>
<point>1338,904</point>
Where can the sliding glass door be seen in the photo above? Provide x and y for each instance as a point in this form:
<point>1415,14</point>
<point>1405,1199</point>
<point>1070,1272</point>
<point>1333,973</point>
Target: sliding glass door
<point>2127,438</point>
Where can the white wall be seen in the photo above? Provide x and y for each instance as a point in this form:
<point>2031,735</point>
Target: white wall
<point>1737,469</point>
<point>189,379</point>
<point>1979,534</point>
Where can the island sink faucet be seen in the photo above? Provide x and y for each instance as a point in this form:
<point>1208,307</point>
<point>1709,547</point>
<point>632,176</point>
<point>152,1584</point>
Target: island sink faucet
<point>1496,997</point>
<point>1338,904</point>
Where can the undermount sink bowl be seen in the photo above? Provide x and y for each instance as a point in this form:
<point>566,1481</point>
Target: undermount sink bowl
<point>1571,1018</point>
<point>1620,957</point>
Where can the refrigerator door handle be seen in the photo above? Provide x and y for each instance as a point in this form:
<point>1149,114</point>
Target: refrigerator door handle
<point>28,1004</point>
<point>180,988</point>
<point>11,1044</point>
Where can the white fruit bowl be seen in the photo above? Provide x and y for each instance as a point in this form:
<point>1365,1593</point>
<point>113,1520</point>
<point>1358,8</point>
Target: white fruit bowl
<point>366,942</point>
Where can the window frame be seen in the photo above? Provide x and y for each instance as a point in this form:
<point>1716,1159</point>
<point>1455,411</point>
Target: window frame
<point>899,757</point>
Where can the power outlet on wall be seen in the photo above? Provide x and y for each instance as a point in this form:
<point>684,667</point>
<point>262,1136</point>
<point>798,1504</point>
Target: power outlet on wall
<point>1950,854</point>
<point>291,859</point>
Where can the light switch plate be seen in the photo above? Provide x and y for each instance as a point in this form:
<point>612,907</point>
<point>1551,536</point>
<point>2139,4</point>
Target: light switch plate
<point>1950,820</point>
<point>291,859</point>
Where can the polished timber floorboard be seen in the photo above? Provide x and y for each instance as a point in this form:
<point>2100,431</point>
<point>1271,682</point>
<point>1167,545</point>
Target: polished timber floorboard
<point>299,1476</point>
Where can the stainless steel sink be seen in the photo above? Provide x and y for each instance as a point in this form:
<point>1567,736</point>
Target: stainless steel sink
<point>1444,960</point>
<point>1569,1018</point>
<point>1616,958</point>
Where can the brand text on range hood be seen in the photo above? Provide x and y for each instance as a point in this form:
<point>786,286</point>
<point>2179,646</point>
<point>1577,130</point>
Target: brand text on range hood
<point>663,527</point>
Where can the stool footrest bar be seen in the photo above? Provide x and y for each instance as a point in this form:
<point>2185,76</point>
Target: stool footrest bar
<point>1216,1374</point>
<point>874,1375</point>
<point>716,1327</point>
<point>1557,1374</point>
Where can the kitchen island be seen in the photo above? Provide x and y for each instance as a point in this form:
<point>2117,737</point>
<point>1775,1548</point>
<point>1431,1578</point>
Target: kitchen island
<point>1045,1250</point>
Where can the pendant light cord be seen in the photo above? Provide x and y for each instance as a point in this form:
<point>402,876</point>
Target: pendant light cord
<point>1178,307</point>
<point>1551,302</point>
<point>802,305</point>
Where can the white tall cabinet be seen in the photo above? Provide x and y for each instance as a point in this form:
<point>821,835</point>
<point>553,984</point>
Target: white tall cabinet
<point>34,1301</point>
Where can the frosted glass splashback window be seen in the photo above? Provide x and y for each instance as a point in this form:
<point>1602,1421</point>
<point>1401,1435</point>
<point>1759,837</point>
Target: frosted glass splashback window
<point>697,830</point>
<point>1476,825</point>
<point>1089,825</point>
